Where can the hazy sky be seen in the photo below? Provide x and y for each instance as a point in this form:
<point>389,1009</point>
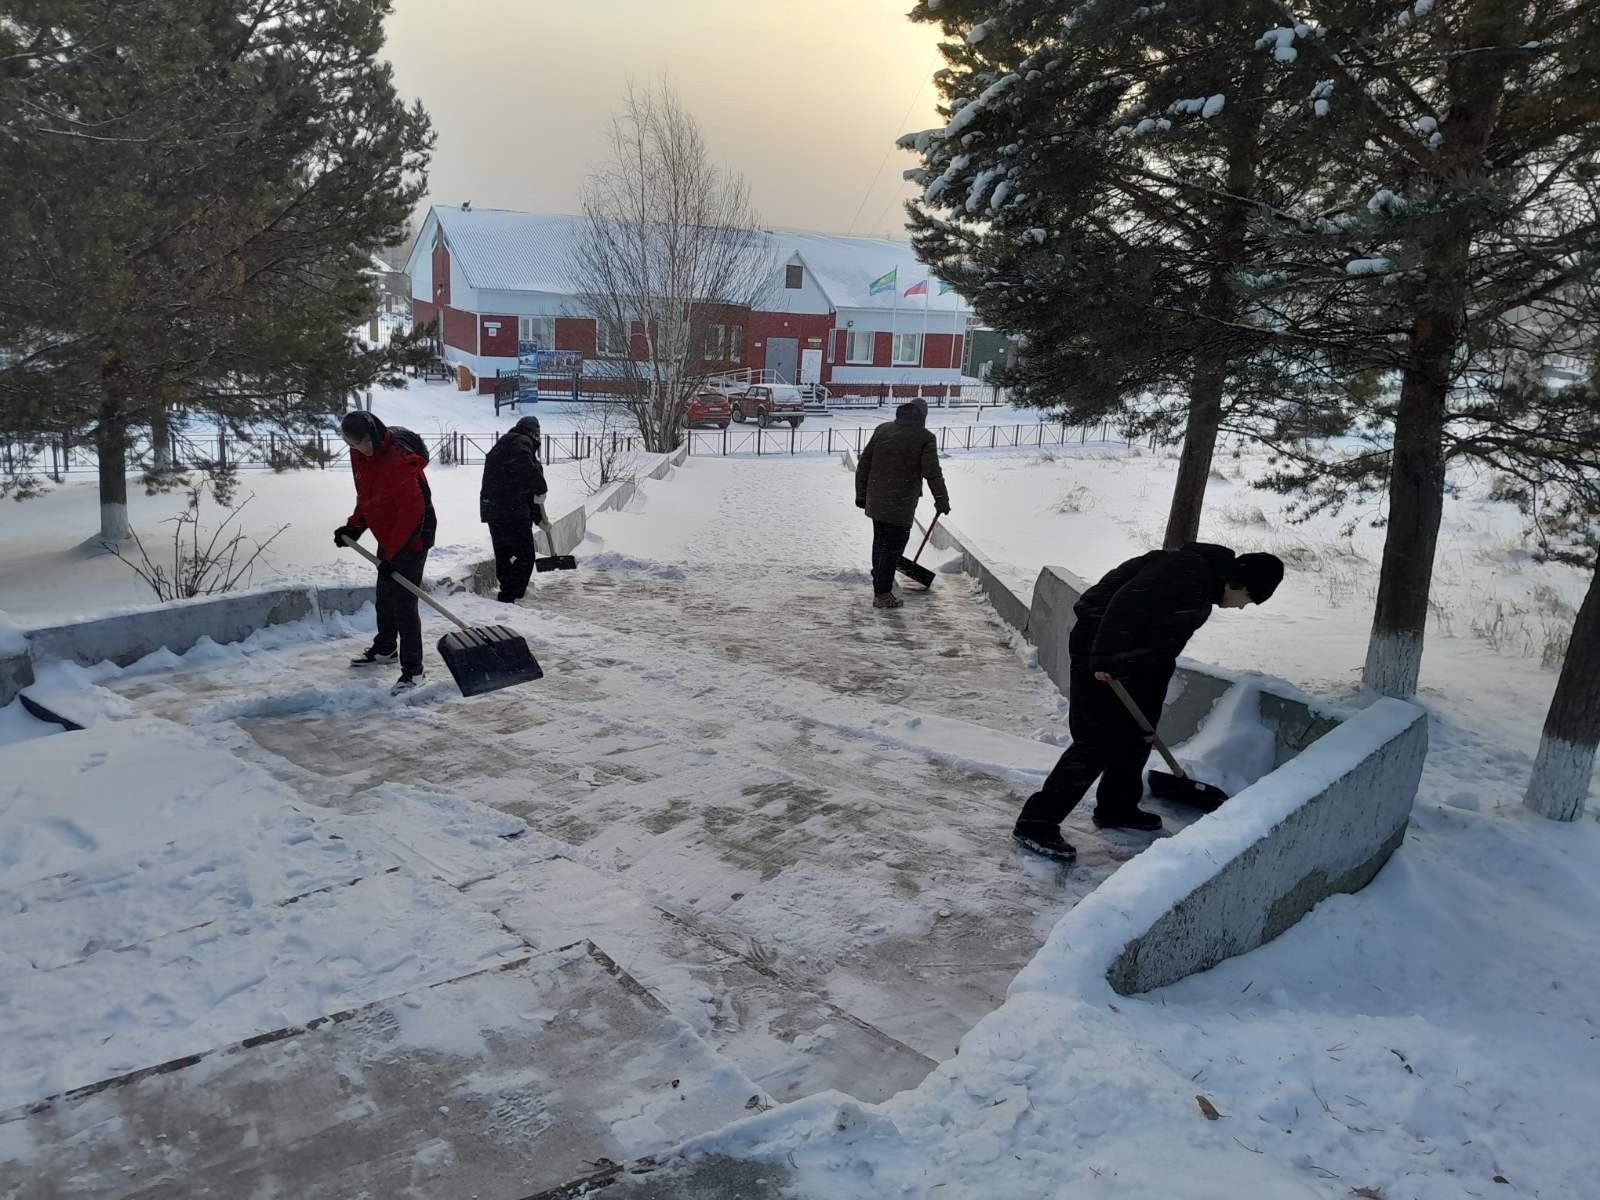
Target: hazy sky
<point>802,96</point>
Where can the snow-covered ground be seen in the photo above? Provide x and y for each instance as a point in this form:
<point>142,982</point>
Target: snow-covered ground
<point>816,796</point>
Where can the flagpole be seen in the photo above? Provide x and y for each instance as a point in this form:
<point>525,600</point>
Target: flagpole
<point>922,346</point>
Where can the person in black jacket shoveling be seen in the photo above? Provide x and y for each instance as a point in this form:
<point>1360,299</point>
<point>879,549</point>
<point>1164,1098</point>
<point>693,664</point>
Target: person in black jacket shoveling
<point>889,473</point>
<point>511,503</point>
<point>1131,626</point>
<point>392,500</point>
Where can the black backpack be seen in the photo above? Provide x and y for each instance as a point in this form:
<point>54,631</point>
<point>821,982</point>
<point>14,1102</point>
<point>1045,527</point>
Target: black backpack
<point>407,440</point>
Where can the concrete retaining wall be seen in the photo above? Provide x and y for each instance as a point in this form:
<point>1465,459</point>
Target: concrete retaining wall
<point>1344,803</point>
<point>125,638</point>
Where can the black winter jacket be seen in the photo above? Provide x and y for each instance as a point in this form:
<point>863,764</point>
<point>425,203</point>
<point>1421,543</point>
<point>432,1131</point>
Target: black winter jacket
<point>892,465</point>
<point>513,481</point>
<point>1138,618</point>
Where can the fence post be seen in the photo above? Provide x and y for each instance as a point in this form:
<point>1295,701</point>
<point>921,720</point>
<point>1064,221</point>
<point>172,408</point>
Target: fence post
<point>943,429</point>
<point>993,429</point>
<point>792,432</point>
<point>830,439</point>
<point>724,441</point>
<point>969,437</point>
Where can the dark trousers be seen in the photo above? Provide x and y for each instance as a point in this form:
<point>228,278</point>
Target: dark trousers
<point>888,544</point>
<point>513,556</point>
<point>398,619</point>
<point>1106,744</point>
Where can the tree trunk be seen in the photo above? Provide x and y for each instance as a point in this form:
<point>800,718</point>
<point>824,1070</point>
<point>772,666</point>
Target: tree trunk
<point>1416,507</point>
<point>1561,773</point>
<point>1194,467</point>
<point>161,439</point>
<point>111,447</point>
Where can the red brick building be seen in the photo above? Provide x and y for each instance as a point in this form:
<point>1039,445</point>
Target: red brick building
<point>500,279</point>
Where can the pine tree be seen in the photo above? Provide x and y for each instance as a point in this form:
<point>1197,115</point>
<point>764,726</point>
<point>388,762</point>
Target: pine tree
<point>1543,443</point>
<point>1462,142</point>
<point>1096,189</point>
<point>192,191</point>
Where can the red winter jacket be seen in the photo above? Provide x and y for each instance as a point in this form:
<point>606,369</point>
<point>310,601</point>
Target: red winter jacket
<point>390,497</point>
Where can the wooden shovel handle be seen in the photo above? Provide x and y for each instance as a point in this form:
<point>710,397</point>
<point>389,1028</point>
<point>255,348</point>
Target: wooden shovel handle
<point>928,534</point>
<point>1138,715</point>
<point>407,584</point>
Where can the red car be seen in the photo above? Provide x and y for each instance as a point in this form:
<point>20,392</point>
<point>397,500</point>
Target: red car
<point>707,408</point>
<point>770,402</point>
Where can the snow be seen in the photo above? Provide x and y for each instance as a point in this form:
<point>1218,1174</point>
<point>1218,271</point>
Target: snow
<point>969,112</point>
<point>979,32</point>
<point>1213,106</point>
<point>1281,42</point>
<point>1367,266</point>
<point>1418,1039</point>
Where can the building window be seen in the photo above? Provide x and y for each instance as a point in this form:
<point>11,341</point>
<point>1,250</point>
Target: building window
<point>724,343</point>
<point>536,333</point>
<point>908,349</point>
<point>858,346</point>
<point>611,342</point>
<point>794,277</point>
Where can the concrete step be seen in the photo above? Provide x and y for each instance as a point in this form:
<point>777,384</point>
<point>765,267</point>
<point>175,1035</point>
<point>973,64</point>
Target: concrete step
<point>777,1026</point>
<point>240,976</point>
<point>500,1085</point>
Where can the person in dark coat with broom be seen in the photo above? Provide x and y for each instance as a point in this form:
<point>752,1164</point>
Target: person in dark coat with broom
<point>511,503</point>
<point>392,500</point>
<point>1131,626</point>
<point>889,474</point>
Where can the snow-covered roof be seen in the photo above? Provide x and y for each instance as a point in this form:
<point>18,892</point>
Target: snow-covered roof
<point>500,250</point>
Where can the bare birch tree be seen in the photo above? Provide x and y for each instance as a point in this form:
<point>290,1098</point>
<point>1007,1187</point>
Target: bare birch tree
<point>671,247</point>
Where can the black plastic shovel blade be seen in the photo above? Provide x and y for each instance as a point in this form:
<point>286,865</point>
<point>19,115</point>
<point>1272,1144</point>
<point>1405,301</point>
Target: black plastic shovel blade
<point>1206,797</point>
<point>488,658</point>
<point>917,572</point>
<point>556,562</point>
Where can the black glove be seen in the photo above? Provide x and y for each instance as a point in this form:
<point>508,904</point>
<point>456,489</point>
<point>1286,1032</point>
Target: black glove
<point>942,507</point>
<point>861,503</point>
<point>385,568</point>
<point>345,531</point>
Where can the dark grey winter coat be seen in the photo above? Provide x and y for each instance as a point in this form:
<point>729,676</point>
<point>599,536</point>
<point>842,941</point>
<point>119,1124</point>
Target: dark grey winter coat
<point>899,456</point>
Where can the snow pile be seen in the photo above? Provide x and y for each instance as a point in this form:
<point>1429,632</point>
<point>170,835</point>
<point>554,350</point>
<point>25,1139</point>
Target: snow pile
<point>1233,747</point>
<point>1368,266</point>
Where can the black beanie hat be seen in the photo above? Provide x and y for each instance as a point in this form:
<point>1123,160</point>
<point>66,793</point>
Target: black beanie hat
<point>363,427</point>
<point>1260,574</point>
<point>529,426</point>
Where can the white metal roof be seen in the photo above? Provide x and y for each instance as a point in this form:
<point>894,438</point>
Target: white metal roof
<point>500,250</point>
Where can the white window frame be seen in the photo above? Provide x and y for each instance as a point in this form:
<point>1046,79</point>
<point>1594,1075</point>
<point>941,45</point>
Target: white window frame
<point>606,350</point>
<point>735,343</point>
<point>915,341</point>
<point>716,342</point>
<point>531,329</point>
<point>852,355</point>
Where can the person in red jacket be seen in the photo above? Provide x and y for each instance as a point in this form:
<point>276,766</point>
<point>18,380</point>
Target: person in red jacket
<point>392,500</point>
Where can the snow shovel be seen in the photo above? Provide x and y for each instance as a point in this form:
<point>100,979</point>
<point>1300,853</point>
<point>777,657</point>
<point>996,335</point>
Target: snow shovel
<point>908,566</point>
<point>1177,787</point>
<point>553,562</point>
<point>482,658</point>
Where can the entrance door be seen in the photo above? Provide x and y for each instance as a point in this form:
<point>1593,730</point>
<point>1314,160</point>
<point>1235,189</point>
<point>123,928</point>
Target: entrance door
<point>783,357</point>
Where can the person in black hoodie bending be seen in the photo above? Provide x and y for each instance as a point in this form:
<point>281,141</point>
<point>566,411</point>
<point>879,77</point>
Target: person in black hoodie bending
<point>1132,626</point>
<point>511,503</point>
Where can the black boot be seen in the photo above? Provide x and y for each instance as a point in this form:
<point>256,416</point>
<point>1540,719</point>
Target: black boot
<point>1044,839</point>
<point>1137,819</point>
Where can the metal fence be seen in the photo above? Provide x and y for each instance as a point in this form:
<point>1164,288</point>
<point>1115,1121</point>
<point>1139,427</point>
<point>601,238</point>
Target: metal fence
<point>57,458</point>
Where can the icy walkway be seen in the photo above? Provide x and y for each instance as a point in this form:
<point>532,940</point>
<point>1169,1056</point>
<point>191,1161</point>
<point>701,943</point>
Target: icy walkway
<point>777,818</point>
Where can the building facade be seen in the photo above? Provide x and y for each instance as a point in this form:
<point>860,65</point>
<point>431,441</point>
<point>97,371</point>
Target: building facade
<point>841,312</point>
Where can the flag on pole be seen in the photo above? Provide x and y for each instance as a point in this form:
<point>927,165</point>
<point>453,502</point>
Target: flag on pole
<point>884,283</point>
<point>918,289</point>
<point>946,286</point>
